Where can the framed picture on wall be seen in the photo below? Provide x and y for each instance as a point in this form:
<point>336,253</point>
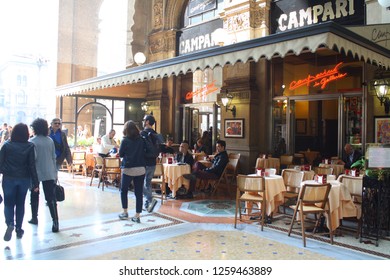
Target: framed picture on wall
<point>300,126</point>
<point>234,128</point>
<point>382,130</point>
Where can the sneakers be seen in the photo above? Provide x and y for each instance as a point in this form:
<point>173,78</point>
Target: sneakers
<point>33,221</point>
<point>136,219</point>
<point>146,206</point>
<point>8,233</point>
<point>123,216</point>
<point>152,205</point>
<point>19,233</point>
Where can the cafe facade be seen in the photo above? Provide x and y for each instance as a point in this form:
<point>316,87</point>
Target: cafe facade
<point>249,72</point>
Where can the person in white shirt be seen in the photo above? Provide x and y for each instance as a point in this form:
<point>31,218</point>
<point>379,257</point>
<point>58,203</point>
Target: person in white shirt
<point>107,143</point>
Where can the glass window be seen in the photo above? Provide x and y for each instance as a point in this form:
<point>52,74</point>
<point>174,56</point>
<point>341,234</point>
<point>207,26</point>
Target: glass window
<point>119,111</point>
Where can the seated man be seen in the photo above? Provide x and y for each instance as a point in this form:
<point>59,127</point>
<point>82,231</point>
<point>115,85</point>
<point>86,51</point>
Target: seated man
<point>184,156</point>
<point>167,148</point>
<point>221,159</point>
<point>199,147</point>
<point>351,156</point>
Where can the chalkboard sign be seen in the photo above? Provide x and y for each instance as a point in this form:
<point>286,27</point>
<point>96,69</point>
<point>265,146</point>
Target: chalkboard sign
<point>378,156</point>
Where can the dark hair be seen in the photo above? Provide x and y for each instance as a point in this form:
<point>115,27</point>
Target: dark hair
<point>20,133</point>
<point>40,127</point>
<point>222,143</point>
<point>151,119</point>
<point>130,130</point>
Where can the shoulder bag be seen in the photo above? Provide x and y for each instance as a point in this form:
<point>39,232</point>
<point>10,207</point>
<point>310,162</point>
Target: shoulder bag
<point>59,191</point>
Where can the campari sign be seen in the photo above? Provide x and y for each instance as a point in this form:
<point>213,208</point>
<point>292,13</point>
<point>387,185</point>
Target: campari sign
<point>292,14</point>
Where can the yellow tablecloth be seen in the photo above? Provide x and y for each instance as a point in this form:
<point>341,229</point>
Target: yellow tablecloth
<point>274,189</point>
<point>173,175</point>
<point>340,203</point>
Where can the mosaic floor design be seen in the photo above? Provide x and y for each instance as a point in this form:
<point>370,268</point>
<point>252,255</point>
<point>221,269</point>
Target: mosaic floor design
<point>220,208</point>
<point>214,245</point>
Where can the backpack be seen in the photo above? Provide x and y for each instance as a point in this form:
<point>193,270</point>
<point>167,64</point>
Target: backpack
<point>152,143</point>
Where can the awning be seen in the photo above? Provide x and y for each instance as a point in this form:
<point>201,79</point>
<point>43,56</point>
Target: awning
<point>327,35</point>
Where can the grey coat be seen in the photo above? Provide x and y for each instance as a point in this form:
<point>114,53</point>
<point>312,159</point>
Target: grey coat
<point>45,160</point>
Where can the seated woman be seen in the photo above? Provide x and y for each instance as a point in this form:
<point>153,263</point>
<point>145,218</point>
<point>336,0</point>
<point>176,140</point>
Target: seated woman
<point>199,147</point>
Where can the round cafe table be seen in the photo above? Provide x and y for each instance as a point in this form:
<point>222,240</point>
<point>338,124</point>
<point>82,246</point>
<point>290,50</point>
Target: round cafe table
<point>173,175</point>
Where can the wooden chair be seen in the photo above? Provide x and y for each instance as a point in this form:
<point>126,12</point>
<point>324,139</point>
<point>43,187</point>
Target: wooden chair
<point>231,171</point>
<point>216,182</point>
<point>355,188</point>
<point>79,163</point>
<point>97,169</point>
<point>250,192</point>
<point>111,169</point>
<point>312,199</point>
<point>292,180</point>
<point>158,179</point>
<point>268,163</point>
<point>286,160</point>
<point>323,170</point>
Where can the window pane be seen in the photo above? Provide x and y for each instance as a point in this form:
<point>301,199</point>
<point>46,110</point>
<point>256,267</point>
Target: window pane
<point>119,111</point>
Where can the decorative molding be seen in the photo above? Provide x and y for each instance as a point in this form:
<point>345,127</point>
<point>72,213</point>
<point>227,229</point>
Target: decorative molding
<point>158,14</point>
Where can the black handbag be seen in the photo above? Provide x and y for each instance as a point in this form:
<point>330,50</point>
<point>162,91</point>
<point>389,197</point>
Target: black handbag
<point>59,191</point>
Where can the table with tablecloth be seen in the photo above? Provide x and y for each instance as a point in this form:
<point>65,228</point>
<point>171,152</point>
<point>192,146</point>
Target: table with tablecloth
<point>173,175</point>
<point>337,168</point>
<point>340,203</point>
<point>274,189</point>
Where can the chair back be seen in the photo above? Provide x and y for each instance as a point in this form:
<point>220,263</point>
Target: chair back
<point>234,156</point>
<point>247,183</point>
<point>323,170</point>
<point>112,163</point>
<point>317,194</point>
<point>292,178</point>
<point>159,171</point>
<point>286,160</point>
<point>98,161</point>
<point>79,156</point>
<point>353,184</point>
<point>270,171</point>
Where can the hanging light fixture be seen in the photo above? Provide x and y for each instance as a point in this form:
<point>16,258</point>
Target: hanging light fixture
<point>145,106</point>
<point>382,88</point>
<point>139,58</point>
<point>226,101</point>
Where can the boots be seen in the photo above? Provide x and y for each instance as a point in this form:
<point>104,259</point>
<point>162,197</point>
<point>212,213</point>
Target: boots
<point>34,201</point>
<point>54,216</point>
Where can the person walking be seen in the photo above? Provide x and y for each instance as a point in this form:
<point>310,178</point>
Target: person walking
<point>60,143</point>
<point>45,162</point>
<point>148,131</point>
<point>132,152</point>
<point>17,164</point>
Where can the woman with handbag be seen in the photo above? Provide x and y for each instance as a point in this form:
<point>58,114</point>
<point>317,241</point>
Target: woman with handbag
<point>17,164</point>
<point>47,172</point>
<point>132,151</point>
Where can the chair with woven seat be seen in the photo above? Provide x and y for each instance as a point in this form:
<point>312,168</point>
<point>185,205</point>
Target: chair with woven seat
<point>231,169</point>
<point>79,163</point>
<point>285,161</point>
<point>323,170</point>
<point>312,199</point>
<point>355,186</point>
<point>292,180</point>
<point>97,169</point>
<point>250,192</point>
<point>111,169</point>
<point>158,179</point>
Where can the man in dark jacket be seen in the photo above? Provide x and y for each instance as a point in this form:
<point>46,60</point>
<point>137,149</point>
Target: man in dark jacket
<point>351,156</point>
<point>184,156</point>
<point>148,131</point>
<point>221,159</point>
<point>60,143</point>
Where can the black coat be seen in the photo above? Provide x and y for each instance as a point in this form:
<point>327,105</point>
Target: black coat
<point>348,162</point>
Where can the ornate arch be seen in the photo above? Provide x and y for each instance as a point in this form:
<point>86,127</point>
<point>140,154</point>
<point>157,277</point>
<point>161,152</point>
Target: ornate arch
<point>173,13</point>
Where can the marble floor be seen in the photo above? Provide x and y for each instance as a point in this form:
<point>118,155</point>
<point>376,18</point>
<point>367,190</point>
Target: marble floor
<point>197,229</point>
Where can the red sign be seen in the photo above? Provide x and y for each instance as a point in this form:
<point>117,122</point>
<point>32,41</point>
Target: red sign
<point>320,79</point>
<point>207,89</point>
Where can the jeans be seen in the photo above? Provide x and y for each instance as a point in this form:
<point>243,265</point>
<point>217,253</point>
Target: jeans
<point>148,182</point>
<point>15,191</point>
<point>138,184</point>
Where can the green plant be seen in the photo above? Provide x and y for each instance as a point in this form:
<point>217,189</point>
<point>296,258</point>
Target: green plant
<point>359,164</point>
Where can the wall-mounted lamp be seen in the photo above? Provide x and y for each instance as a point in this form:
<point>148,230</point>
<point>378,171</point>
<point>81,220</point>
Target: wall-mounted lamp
<point>384,3</point>
<point>382,88</point>
<point>139,58</point>
<point>145,106</point>
<point>226,101</point>
<point>130,107</point>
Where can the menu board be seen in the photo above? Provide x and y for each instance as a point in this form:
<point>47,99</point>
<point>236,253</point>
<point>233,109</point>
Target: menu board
<point>378,157</point>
